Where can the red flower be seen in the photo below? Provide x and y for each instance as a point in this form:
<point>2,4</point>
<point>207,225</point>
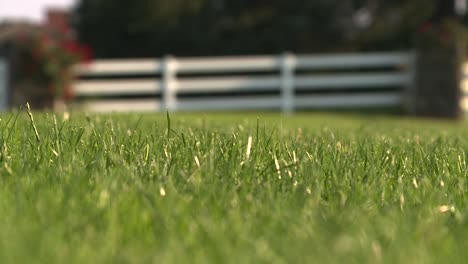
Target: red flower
<point>47,58</point>
<point>86,53</point>
<point>82,52</point>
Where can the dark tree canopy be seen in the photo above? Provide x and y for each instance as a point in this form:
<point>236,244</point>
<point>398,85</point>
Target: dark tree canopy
<point>142,28</point>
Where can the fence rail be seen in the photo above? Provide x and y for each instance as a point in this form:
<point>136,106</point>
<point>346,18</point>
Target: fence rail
<point>285,82</point>
<point>464,88</point>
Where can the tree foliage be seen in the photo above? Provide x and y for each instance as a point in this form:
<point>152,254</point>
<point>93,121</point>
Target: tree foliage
<point>140,28</point>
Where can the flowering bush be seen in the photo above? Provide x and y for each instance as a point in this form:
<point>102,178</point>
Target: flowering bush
<point>48,61</point>
<point>440,34</point>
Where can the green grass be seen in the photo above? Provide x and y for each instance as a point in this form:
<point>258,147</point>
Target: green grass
<point>309,188</point>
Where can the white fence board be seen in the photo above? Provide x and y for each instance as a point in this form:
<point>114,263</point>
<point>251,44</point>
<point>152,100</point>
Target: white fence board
<point>350,81</point>
<point>119,67</point>
<point>387,99</point>
<point>464,103</point>
<point>226,104</point>
<point>117,87</point>
<point>464,87</point>
<point>140,105</point>
<point>245,83</point>
<point>227,64</point>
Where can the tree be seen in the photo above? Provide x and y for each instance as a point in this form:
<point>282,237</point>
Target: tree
<point>142,28</point>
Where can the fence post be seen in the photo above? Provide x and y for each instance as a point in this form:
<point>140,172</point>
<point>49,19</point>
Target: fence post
<point>437,91</point>
<point>288,65</point>
<point>3,85</point>
<point>169,83</point>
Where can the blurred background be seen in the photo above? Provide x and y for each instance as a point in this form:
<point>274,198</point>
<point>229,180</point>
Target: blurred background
<point>144,28</point>
<point>151,28</point>
<point>42,39</point>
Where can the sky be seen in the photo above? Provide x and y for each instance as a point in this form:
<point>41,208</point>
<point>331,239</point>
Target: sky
<point>32,10</point>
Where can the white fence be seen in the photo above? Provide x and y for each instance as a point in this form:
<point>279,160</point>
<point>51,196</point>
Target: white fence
<point>286,82</point>
<point>3,84</point>
<point>464,88</point>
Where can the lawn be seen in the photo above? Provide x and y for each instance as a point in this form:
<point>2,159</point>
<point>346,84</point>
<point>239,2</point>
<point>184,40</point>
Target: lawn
<point>232,188</point>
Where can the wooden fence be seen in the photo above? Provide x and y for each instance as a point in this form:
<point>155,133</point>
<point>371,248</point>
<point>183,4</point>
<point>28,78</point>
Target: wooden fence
<point>3,84</point>
<point>464,87</point>
<point>285,82</point>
